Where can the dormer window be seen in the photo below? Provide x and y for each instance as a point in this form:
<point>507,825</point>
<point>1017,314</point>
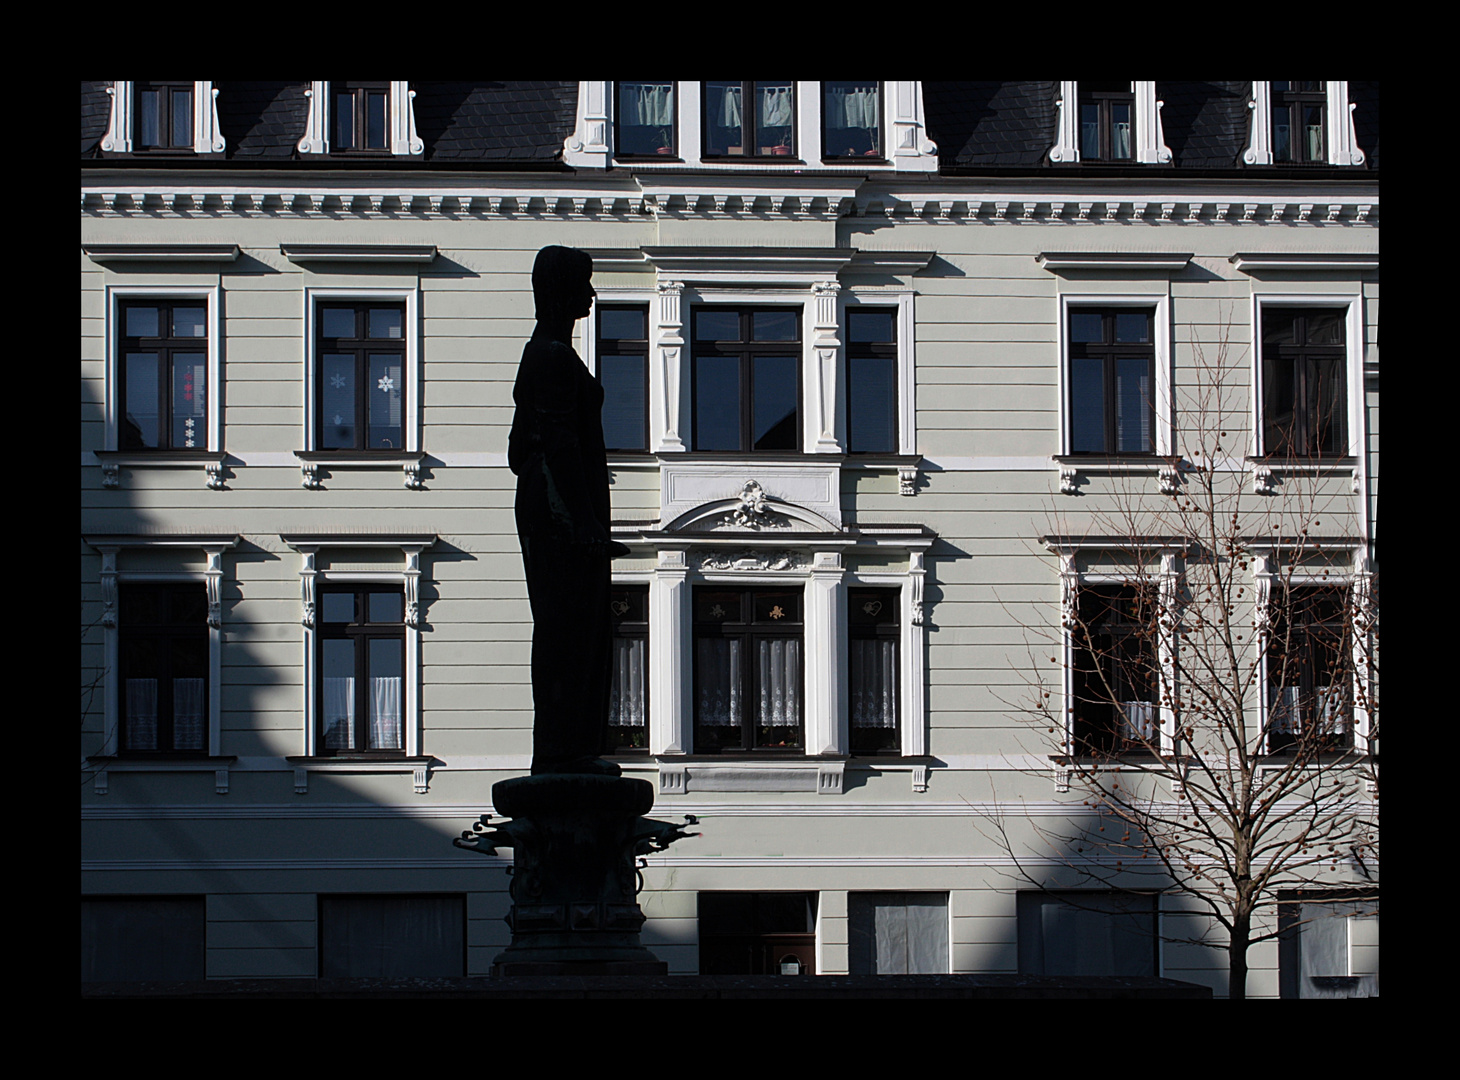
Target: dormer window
<point>1297,122</point>
<point>851,120</point>
<point>644,119</point>
<point>164,116</point>
<point>360,116</point>
<point>1109,123</point>
<point>1107,117</point>
<point>1302,123</point>
<point>750,119</point>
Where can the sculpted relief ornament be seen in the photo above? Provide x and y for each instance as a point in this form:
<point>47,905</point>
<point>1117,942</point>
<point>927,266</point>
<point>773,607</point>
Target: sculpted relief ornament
<point>752,560</point>
<point>753,511</point>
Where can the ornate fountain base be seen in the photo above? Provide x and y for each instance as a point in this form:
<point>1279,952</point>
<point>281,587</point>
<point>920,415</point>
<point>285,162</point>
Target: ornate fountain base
<point>574,839</point>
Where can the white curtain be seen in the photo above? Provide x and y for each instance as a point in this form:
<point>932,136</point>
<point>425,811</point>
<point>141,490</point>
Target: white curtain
<point>187,714</point>
<point>1120,139</point>
<point>339,713</point>
<point>1284,711</point>
<point>775,106</point>
<point>873,683</point>
<point>142,714</point>
<point>1332,711</point>
<point>1138,721</point>
<point>650,104</point>
<point>385,713</point>
<point>718,662</point>
<point>626,701</point>
<point>852,108</point>
<point>780,682</point>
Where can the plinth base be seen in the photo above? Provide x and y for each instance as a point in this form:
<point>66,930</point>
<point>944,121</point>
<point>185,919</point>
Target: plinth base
<point>588,967</point>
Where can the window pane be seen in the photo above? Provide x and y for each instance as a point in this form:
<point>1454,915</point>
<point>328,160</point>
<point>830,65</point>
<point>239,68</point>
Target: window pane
<point>624,401</point>
<point>386,607</point>
<point>626,703</point>
<point>1279,393</point>
<point>853,118</point>
<point>775,606</point>
<point>189,400</point>
<point>337,322</point>
<point>338,399</point>
<point>1090,131</point>
<point>1279,327</point>
<point>189,322</point>
<point>1120,130</point>
<point>1087,406</point>
<point>147,940</point>
<point>1281,133</point>
<point>776,391</point>
<point>182,118</point>
<point>619,323</point>
<point>645,118</point>
<point>718,677</point>
<point>717,606</point>
<point>392,937</point>
<point>344,121</point>
<point>778,708</point>
<point>337,679</point>
<point>1133,406</point>
<point>871,405</point>
<point>1086,328</point>
<point>189,675</point>
<point>1324,328</point>
<point>717,325</point>
<point>630,604</point>
<point>385,403</point>
<point>150,114</point>
<point>717,403</point>
<point>870,326</point>
<point>337,607</point>
<point>1132,327</point>
<point>141,423</point>
<point>773,326</point>
<point>142,322</point>
<point>1313,133</point>
<point>724,122</point>
<point>383,705</point>
<point>375,122</point>
<point>776,108</point>
<point>1326,405</point>
<point>873,683</point>
<point>385,322</point>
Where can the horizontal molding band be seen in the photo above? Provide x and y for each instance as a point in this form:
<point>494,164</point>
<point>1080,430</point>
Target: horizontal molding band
<point>493,862</point>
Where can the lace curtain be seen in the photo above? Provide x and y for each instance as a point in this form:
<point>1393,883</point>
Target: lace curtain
<point>385,713</point>
<point>780,682</point>
<point>646,104</point>
<point>873,683</point>
<point>852,107</point>
<point>339,713</point>
<point>719,674</point>
<point>1138,721</point>
<point>626,700</point>
<point>142,714</point>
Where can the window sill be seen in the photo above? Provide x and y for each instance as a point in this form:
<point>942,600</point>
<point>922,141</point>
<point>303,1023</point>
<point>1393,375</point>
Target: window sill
<point>908,467</point>
<point>112,462</point>
<point>161,763</point>
<point>412,462</point>
<point>1266,471</point>
<point>1166,470</point>
<point>418,767</point>
<point>681,775</point>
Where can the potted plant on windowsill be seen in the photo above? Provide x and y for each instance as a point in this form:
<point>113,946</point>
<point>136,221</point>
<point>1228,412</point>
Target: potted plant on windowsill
<point>666,142</point>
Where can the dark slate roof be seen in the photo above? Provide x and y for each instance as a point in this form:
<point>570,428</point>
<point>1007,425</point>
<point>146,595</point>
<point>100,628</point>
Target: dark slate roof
<point>96,106</point>
<point>262,119</point>
<point>497,121</point>
<point>1206,124</point>
<point>991,123</point>
<point>1365,96</point>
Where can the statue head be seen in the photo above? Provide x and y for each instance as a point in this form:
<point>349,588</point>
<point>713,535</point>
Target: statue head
<point>561,288</point>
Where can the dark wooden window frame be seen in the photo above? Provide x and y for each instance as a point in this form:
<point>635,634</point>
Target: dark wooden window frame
<point>359,92</point>
<point>362,632</point>
<point>1111,353</point>
<point>164,632</point>
<point>760,949</point>
<point>1104,100</point>
<point>605,346</point>
<point>888,627</point>
<point>875,159</point>
<point>868,350</point>
<point>1295,102</point>
<point>749,135</point>
<point>636,629</point>
<point>165,346</point>
<point>1303,440</point>
<point>749,632</point>
<point>746,350</point>
<point>167,137</point>
<point>1102,643</point>
<point>1291,645</point>
<point>322,900</point>
<point>363,347</point>
<point>619,153</point>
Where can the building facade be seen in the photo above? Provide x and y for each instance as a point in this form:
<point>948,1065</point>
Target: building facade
<point>880,360</point>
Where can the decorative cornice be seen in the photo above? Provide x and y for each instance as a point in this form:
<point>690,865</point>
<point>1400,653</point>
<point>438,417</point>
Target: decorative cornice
<point>310,541</point>
<point>743,265</point>
<point>115,253</point>
<point>390,253</point>
<point>1249,262</point>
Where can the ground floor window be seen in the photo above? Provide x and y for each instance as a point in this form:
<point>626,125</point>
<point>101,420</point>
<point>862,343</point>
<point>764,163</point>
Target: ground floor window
<point>749,680</point>
<point>1086,933</point>
<point>392,936</point>
<point>897,933</point>
<point>1328,948</point>
<point>749,933</point>
<point>143,939</point>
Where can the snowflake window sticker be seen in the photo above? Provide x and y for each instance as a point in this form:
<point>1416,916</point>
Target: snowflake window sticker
<point>386,383</point>
<point>188,432</point>
<point>337,381</point>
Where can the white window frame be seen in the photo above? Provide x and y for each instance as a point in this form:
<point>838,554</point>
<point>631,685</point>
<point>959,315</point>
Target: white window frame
<point>1340,138</point>
<point>906,147</point>
<point>1150,138</point>
<point>911,638</point>
<point>407,578</point>
<point>403,138</point>
<point>907,413</point>
<point>412,339</point>
<point>1164,419</point>
<point>207,138</point>
<point>1352,300</point>
<point>211,296</point>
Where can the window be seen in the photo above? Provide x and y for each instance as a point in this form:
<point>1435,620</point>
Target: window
<point>872,378</point>
<point>873,629</point>
<point>143,939</point>
<point>747,378</point>
<point>628,703</point>
<point>1112,381</point>
<point>1086,933</point>
<point>360,119</point>
<point>1328,948</point>
<point>1298,122</point>
<point>163,656</point>
<point>1309,669</point>
<point>164,115</point>
<point>897,933</point>
<point>362,670</point>
<point>1304,376</point>
<point>162,367</point>
<point>851,120</point>
<point>748,669</point>
<point>420,937</point>
<point>644,119</point>
<point>1114,670</point>
<point>622,356</point>
<point>745,933</point>
<point>766,129</point>
<point>361,368</point>
<point>1107,120</point>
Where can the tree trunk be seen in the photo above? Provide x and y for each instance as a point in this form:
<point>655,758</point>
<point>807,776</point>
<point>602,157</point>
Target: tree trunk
<point>1237,957</point>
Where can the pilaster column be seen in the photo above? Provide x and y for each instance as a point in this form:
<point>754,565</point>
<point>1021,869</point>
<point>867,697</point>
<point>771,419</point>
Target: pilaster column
<point>914,671</point>
<point>669,406</point>
<point>821,381</point>
<point>825,649</point>
<point>671,683</point>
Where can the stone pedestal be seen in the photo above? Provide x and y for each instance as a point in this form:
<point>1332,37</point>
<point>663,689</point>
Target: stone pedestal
<point>574,839</point>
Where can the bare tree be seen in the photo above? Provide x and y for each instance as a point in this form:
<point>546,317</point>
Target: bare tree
<point>1217,701</point>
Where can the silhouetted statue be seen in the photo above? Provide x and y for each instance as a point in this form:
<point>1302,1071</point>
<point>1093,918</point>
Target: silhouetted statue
<point>556,449</point>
